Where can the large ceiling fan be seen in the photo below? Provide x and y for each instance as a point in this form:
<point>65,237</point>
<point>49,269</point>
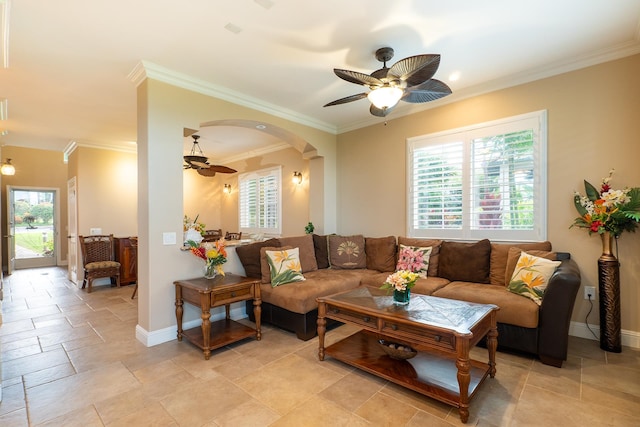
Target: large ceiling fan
<point>408,80</point>
<point>197,160</point>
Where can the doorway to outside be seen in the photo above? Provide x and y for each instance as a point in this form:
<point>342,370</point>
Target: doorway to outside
<point>33,227</point>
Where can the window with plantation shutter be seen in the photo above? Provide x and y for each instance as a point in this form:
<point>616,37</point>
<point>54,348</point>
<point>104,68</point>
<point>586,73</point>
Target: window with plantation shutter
<point>482,181</point>
<point>260,201</point>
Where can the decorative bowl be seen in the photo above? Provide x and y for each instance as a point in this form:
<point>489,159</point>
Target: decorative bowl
<point>397,351</point>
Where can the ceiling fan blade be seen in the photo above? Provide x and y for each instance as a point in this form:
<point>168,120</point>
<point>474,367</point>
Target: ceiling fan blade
<point>221,169</point>
<point>346,99</point>
<point>357,78</point>
<point>207,172</point>
<point>197,164</point>
<point>428,91</point>
<point>415,69</point>
<point>380,112</point>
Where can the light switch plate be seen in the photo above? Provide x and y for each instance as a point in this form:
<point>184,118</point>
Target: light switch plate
<point>95,231</point>
<point>169,238</point>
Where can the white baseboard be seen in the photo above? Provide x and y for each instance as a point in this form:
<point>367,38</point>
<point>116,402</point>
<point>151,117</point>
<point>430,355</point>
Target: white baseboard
<point>579,329</point>
<point>160,336</point>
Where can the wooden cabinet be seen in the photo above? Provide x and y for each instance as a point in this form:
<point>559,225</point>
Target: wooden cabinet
<point>126,253</point>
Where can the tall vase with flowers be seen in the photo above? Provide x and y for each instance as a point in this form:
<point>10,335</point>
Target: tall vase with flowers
<point>213,253</point>
<point>608,212</point>
<point>401,283</point>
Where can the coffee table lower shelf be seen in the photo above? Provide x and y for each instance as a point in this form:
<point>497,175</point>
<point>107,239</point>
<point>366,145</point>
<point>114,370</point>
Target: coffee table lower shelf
<point>223,332</point>
<point>432,373</point>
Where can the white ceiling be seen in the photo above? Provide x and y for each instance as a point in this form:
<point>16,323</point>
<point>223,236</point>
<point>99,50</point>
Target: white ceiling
<point>69,61</point>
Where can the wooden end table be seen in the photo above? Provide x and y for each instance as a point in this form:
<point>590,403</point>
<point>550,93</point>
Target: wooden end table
<point>210,293</point>
<point>441,330</point>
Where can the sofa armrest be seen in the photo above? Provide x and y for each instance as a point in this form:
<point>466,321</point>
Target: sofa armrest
<point>555,313</point>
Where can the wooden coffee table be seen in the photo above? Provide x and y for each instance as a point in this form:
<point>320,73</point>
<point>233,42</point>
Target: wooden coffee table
<point>209,293</point>
<point>442,330</point>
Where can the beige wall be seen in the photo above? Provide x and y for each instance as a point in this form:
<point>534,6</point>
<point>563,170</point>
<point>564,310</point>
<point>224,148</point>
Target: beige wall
<point>593,126</point>
<point>163,112</point>
<point>203,196</point>
<point>36,168</point>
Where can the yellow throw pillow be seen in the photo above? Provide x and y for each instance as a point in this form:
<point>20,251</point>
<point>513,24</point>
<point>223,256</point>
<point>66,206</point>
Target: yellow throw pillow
<point>284,266</point>
<point>531,276</point>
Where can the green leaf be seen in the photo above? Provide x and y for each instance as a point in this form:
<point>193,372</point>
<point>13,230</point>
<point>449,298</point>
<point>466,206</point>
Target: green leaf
<point>592,192</point>
<point>581,209</point>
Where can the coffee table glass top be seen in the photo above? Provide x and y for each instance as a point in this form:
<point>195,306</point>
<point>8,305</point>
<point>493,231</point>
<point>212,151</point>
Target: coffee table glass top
<point>458,316</point>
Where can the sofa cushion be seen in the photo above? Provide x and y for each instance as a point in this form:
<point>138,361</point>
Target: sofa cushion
<point>435,251</point>
<point>265,270</point>
<point>514,255</point>
<point>514,309</point>
<point>465,262</point>
<point>347,252</point>
<point>284,265</point>
<point>307,251</point>
<point>499,255</point>
<point>380,253</point>
<point>300,297</point>
<point>322,250</point>
<point>414,259</point>
<point>531,276</point>
<point>249,256</point>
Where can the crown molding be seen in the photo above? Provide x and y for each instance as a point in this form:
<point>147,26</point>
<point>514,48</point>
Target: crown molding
<point>256,153</point>
<point>4,109</point>
<point>73,145</point>
<point>5,8</point>
<point>146,69</point>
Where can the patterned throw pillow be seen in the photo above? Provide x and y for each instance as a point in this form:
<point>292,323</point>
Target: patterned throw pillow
<point>347,252</point>
<point>531,276</point>
<point>285,266</point>
<point>414,258</point>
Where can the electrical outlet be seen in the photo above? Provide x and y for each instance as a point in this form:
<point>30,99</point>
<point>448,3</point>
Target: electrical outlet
<point>590,290</point>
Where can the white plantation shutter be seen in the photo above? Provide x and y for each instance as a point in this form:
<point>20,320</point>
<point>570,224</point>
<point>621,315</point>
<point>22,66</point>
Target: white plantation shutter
<point>260,201</point>
<point>483,181</point>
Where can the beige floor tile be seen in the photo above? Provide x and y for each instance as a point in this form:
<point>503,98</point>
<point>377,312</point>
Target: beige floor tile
<point>17,353</point>
<point>17,418</point>
<point>86,388</point>
<point>422,419</point>
<point>12,399</point>
<point>83,417</point>
<point>382,409</point>
<point>613,377</point>
<point>566,380</point>
<point>152,415</point>
<point>157,371</point>
<point>248,414</point>
<point>204,401</point>
<point>33,363</point>
<point>353,390</point>
<point>319,412</point>
<point>47,375</point>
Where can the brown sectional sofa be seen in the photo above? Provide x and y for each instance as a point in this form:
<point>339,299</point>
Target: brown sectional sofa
<point>473,272</point>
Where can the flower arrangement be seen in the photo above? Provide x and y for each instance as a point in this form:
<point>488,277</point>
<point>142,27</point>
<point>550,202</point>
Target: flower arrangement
<point>187,224</point>
<point>213,253</point>
<point>607,210</point>
<point>401,280</point>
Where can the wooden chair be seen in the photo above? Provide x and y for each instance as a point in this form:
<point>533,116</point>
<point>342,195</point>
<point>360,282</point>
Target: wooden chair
<point>134,245</point>
<point>233,236</point>
<point>212,235</point>
<point>98,259</point>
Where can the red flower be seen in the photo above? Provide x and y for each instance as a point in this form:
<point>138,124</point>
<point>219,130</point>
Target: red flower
<point>200,252</point>
<point>605,187</point>
<point>595,225</point>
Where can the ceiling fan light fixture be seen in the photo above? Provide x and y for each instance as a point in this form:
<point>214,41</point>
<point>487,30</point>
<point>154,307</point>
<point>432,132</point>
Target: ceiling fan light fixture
<point>385,96</point>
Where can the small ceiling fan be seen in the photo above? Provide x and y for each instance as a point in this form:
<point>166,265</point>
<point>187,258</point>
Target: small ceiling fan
<point>408,80</point>
<point>197,160</point>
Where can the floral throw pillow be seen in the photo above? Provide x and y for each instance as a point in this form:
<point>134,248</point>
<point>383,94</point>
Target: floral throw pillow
<point>531,276</point>
<point>284,266</point>
<point>414,259</point>
<point>347,252</point>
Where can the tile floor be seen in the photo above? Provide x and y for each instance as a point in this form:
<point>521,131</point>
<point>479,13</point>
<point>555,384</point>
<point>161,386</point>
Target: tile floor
<point>71,359</point>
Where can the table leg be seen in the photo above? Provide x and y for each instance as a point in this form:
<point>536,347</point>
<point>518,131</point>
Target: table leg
<point>179,310</point>
<point>205,304</point>
<point>463,365</point>
<point>257,314</point>
<point>322,328</point>
<point>492,345</point>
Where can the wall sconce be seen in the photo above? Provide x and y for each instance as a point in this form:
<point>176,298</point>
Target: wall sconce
<point>227,189</point>
<point>297,178</point>
<point>7,168</point>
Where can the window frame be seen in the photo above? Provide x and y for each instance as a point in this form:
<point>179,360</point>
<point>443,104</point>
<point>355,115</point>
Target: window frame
<point>276,172</point>
<point>536,121</point>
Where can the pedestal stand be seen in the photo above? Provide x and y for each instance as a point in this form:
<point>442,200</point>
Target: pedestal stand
<point>609,292</point>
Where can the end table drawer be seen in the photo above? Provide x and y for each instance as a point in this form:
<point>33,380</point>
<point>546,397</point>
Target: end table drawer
<point>352,317</point>
<point>230,295</point>
<point>442,340</point>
